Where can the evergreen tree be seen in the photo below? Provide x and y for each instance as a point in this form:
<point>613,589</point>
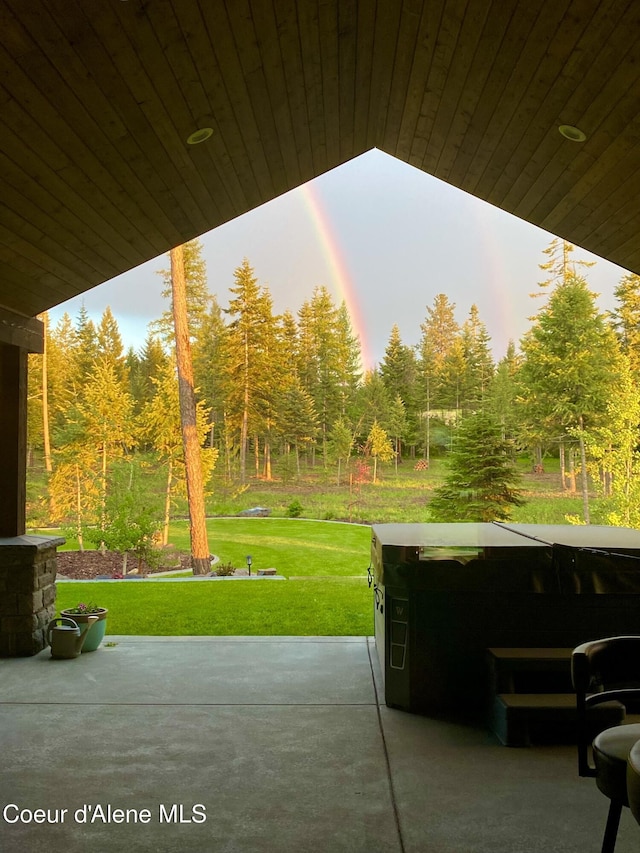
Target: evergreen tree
<point>481,484</point>
<point>477,362</point>
<point>198,297</point>
<point>503,393</point>
<point>109,344</point>
<point>328,358</point>
<point>438,363</point>
<point>160,426</point>
<point>560,266</point>
<point>61,373</point>
<point>613,448</point>
<point>85,348</point>
<point>106,411</point>
<point>399,372</point>
<point>251,345</point>
<point>373,404</point>
<point>349,359</point>
<point>210,365</point>
<point>340,444</point>
<point>568,370</point>
<point>397,424</point>
<point>627,320</point>
<point>452,380</point>
<point>297,419</point>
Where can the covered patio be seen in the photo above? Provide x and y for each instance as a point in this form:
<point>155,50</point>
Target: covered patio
<point>288,745</point>
<point>131,127</point>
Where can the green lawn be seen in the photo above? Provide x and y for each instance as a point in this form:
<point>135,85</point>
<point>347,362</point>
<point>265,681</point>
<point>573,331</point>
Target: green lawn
<point>331,598</point>
<point>314,607</point>
<point>295,547</point>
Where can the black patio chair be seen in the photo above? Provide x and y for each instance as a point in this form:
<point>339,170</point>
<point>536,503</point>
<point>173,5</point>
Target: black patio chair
<point>603,671</point>
<point>633,780</point>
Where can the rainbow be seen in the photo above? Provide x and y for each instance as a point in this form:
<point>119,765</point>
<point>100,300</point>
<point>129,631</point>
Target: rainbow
<point>341,280</point>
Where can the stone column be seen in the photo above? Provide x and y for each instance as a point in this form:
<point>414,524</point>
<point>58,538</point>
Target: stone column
<point>27,593</point>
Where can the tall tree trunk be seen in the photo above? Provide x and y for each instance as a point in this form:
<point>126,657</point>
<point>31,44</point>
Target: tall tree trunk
<point>79,534</point>
<point>167,505</point>
<point>45,401</point>
<point>103,506</point>
<point>563,473</point>
<point>244,430</point>
<point>572,471</point>
<point>267,461</point>
<point>195,487</point>
<point>584,481</point>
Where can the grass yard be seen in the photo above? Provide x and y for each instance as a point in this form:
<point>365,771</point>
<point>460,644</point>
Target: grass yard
<point>329,595</point>
<point>295,547</point>
<point>314,607</point>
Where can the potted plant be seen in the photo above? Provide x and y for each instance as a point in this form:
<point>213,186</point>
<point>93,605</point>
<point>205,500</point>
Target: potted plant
<point>80,614</point>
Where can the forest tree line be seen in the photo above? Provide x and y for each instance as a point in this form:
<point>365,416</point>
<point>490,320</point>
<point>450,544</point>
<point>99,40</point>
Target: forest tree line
<point>288,391</point>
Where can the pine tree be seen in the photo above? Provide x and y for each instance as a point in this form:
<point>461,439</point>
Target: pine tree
<point>109,344</point>
<point>399,372</point>
<point>210,365</point>
<point>106,410</point>
<point>481,484</point>
<point>340,444</point>
<point>452,381</point>
<point>297,419</point>
<point>503,392</point>
<point>477,362</point>
<point>160,427</point>
<point>438,359</point>
<point>568,370</point>
<point>328,359</point>
<point>627,320</point>
<point>61,373</point>
<point>397,424</point>
<point>85,347</point>
<point>251,342</point>
<point>613,450</point>
<point>373,404</point>
<point>197,295</point>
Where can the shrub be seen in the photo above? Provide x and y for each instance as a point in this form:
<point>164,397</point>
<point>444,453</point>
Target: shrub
<point>225,570</point>
<point>294,510</point>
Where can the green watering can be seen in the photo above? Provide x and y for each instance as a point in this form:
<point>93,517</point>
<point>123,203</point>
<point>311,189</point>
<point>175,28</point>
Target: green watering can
<point>67,640</point>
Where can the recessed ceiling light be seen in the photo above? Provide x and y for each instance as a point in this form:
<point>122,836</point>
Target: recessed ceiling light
<point>573,134</point>
<point>200,135</point>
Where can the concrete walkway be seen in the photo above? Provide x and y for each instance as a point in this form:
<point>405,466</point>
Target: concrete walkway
<point>253,745</point>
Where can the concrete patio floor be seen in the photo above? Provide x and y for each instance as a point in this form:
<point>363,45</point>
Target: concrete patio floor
<point>287,746</point>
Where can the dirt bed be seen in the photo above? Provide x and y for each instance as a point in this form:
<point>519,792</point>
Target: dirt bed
<point>85,565</point>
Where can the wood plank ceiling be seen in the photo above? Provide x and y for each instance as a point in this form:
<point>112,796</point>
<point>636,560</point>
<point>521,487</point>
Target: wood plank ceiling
<point>98,97</point>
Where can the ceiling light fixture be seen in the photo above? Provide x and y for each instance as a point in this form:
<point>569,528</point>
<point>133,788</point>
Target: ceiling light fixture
<point>200,135</point>
<point>573,134</point>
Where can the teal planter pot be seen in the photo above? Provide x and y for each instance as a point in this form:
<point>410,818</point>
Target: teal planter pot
<point>96,632</point>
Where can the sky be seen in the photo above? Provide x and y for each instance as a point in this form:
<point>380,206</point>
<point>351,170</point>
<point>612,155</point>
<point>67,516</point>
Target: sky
<point>383,236</point>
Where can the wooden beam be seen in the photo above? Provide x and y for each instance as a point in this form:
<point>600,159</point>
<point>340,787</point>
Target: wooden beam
<point>13,440</point>
<point>19,331</point>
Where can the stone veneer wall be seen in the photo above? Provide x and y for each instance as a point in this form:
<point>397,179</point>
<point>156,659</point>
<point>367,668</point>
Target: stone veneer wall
<point>27,593</point>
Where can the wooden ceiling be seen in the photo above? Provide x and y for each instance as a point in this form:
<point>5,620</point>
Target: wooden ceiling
<point>98,97</point>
